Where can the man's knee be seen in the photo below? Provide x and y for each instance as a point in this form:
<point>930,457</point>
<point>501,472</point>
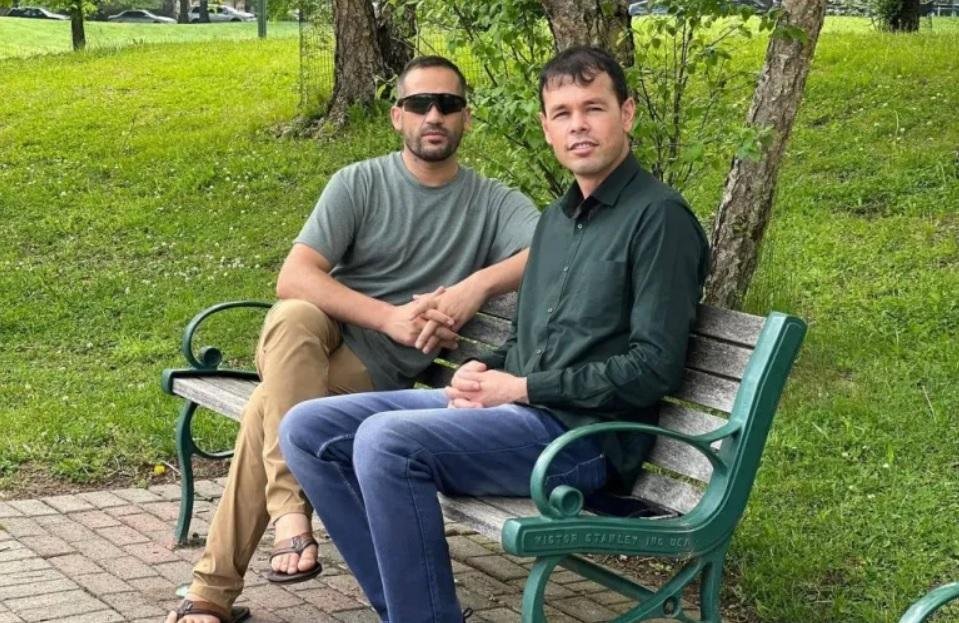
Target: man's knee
<point>299,316</point>
<point>384,440</point>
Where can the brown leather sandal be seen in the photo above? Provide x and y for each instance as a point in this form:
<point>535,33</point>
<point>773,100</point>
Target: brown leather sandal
<point>188,606</point>
<point>295,545</point>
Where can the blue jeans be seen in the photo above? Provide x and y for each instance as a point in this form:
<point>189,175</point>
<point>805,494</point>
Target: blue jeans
<point>372,464</point>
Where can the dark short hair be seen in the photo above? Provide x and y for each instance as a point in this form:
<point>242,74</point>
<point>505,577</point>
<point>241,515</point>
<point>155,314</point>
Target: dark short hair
<point>425,62</point>
<point>582,64</point>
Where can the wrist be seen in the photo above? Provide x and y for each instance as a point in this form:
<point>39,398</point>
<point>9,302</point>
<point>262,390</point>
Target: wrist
<point>520,390</point>
<point>479,282</point>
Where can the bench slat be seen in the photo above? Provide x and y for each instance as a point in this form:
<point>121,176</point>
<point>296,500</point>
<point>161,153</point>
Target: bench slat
<point>732,326</point>
<point>707,390</point>
<point>207,393</point>
<point>501,306</point>
<point>717,357</point>
<point>667,492</point>
<point>477,514</point>
<point>486,329</point>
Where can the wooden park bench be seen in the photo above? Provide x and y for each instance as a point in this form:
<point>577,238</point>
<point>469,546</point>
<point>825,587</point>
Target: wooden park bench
<point>686,504</point>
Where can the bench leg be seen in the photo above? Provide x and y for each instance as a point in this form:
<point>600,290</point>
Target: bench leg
<point>534,595</point>
<point>185,449</point>
<point>710,586</point>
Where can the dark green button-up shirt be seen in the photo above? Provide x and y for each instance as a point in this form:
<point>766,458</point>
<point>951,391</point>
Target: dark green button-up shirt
<point>606,305</point>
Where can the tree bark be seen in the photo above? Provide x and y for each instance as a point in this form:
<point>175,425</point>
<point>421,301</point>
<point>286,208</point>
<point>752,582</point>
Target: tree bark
<point>907,19</point>
<point>395,32</point>
<point>746,204</point>
<point>586,22</point>
<point>183,15</point>
<point>204,17</point>
<point>169,8</point>
<point>358,65</point>
<point>76,25</point>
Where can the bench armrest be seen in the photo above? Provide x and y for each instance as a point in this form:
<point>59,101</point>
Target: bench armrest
<point>932,601</point>
<point>566,501</point>
<point>210,357</point>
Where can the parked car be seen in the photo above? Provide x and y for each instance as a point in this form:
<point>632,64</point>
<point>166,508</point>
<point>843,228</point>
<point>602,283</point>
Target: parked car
<point>221,13</point>
<point>140,16</point>
<point>35,13</point>
<point>645,7</point>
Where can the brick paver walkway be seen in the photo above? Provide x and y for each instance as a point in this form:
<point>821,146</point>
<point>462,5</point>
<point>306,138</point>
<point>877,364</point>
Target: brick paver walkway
<point>105,556</point>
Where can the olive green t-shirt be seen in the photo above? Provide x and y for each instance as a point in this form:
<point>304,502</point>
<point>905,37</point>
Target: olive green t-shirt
<point>389,237</point>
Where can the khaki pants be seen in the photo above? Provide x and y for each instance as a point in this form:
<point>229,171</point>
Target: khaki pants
<point>300,356</point>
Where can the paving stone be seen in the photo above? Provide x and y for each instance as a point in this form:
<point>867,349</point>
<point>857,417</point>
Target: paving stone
<point>8,511</point>
<point>102,499</point>
<point>498,615</point>
<point>137,495</point>
<point>68,503</point>
<point>53,523</point>
<point>151,553</point>
<point>33,508</point>
<point>156,588</point>
<point>609,598</point>
<point>329,600</point>
<point>127,509</point>
<point>72,532</point>
<point>585,586</point>
<point>167,492</point>
<point>55,606</point>
<point>95,519</point>
<point>21,575</point>
<point>103,616</point>
<point>305,613</point>
<point>75,564</point>
<point>207,489</point>
<point>462,548</point>
<point>488,585</point>
<point>476,600</point>
<point>498,567</point>
<point>272,596</point>
<point>177,571</point>
<point>357,616</point>
<point>102,583</point>
<point>9,617</point>
<point>22,526</point>
<point>584,609</point>
<point>133,605</point>
<point>15,591</point>
<point>21,568</point>
<point>121,535</point>
<point>98,549</point>
<point>145,523</point>
<point>165,511</point>
<point>14,550</point>
<point>130,567</point>
<point>553,590</point>
<point>47,546</point>
<point>347,585</point>
<point>4,535</point>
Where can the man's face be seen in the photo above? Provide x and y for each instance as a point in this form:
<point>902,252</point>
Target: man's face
<point>586,126</point>
<point>431,136</point>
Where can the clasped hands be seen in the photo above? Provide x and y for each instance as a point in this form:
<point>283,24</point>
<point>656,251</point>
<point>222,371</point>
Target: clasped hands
<point>430,321</point>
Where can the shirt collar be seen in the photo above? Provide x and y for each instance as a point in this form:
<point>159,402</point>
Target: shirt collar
<point>608,192</point>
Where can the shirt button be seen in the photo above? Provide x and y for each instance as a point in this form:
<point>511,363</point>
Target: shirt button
<point>539,351</point>
<point>565,269</point>
<point>549,310</point>
<point>580,226</point>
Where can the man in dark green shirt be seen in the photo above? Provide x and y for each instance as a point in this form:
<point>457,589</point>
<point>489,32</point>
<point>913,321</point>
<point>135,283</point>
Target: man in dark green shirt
<point>605,308</point>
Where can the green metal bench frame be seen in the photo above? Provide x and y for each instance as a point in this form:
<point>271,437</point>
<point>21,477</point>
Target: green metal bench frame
<point>563,531</point>
<point>926,606</point>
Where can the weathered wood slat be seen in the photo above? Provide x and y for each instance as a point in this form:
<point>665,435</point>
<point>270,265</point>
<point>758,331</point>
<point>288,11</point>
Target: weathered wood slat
<point>502,306</point>
<point>687,421</point>
<point>707,390</point>
<point>476,514</point>
<point>667,492</point>
<point>466,350</point>
<point>717,357</point>
<point>487,329</point>
<point>239,387</point>
<point>681,458</point>
<point>210,395</point>
<point>731,326</point>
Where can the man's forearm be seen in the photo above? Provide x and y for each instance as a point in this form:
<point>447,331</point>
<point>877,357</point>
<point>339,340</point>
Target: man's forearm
<point>337,300</point>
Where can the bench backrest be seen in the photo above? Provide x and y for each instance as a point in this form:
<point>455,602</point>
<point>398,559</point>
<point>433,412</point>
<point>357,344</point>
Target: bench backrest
<point>735,368</point>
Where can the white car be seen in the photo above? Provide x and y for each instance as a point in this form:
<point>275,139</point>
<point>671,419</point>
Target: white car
<point>221,13</point>
<point>140,16</point>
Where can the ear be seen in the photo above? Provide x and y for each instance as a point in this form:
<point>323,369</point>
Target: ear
<point>543,122</point>
<point>628,110</point>
<point>396,116</point>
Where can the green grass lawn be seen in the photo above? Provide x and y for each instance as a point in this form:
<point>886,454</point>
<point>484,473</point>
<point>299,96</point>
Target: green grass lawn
<point>21,37</point>
<point>140,185</point>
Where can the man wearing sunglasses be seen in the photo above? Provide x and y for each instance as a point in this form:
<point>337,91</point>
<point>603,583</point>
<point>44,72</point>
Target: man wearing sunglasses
<point>399,252</point>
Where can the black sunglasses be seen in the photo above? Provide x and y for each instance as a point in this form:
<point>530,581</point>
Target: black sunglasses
<point>420,104</point>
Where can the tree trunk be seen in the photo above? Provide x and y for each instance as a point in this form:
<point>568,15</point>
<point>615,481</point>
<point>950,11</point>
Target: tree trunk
<point>395,32</point>
<point>204,12</point>
<point>907,18</point>
<point>358,65</point>
<point>579,22</point>
<point>76,25</point>
<point>169,8</point>
<point>183,16</point>
<point>750,186</point>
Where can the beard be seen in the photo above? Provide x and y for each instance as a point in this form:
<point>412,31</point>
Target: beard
<point>434,153</point>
